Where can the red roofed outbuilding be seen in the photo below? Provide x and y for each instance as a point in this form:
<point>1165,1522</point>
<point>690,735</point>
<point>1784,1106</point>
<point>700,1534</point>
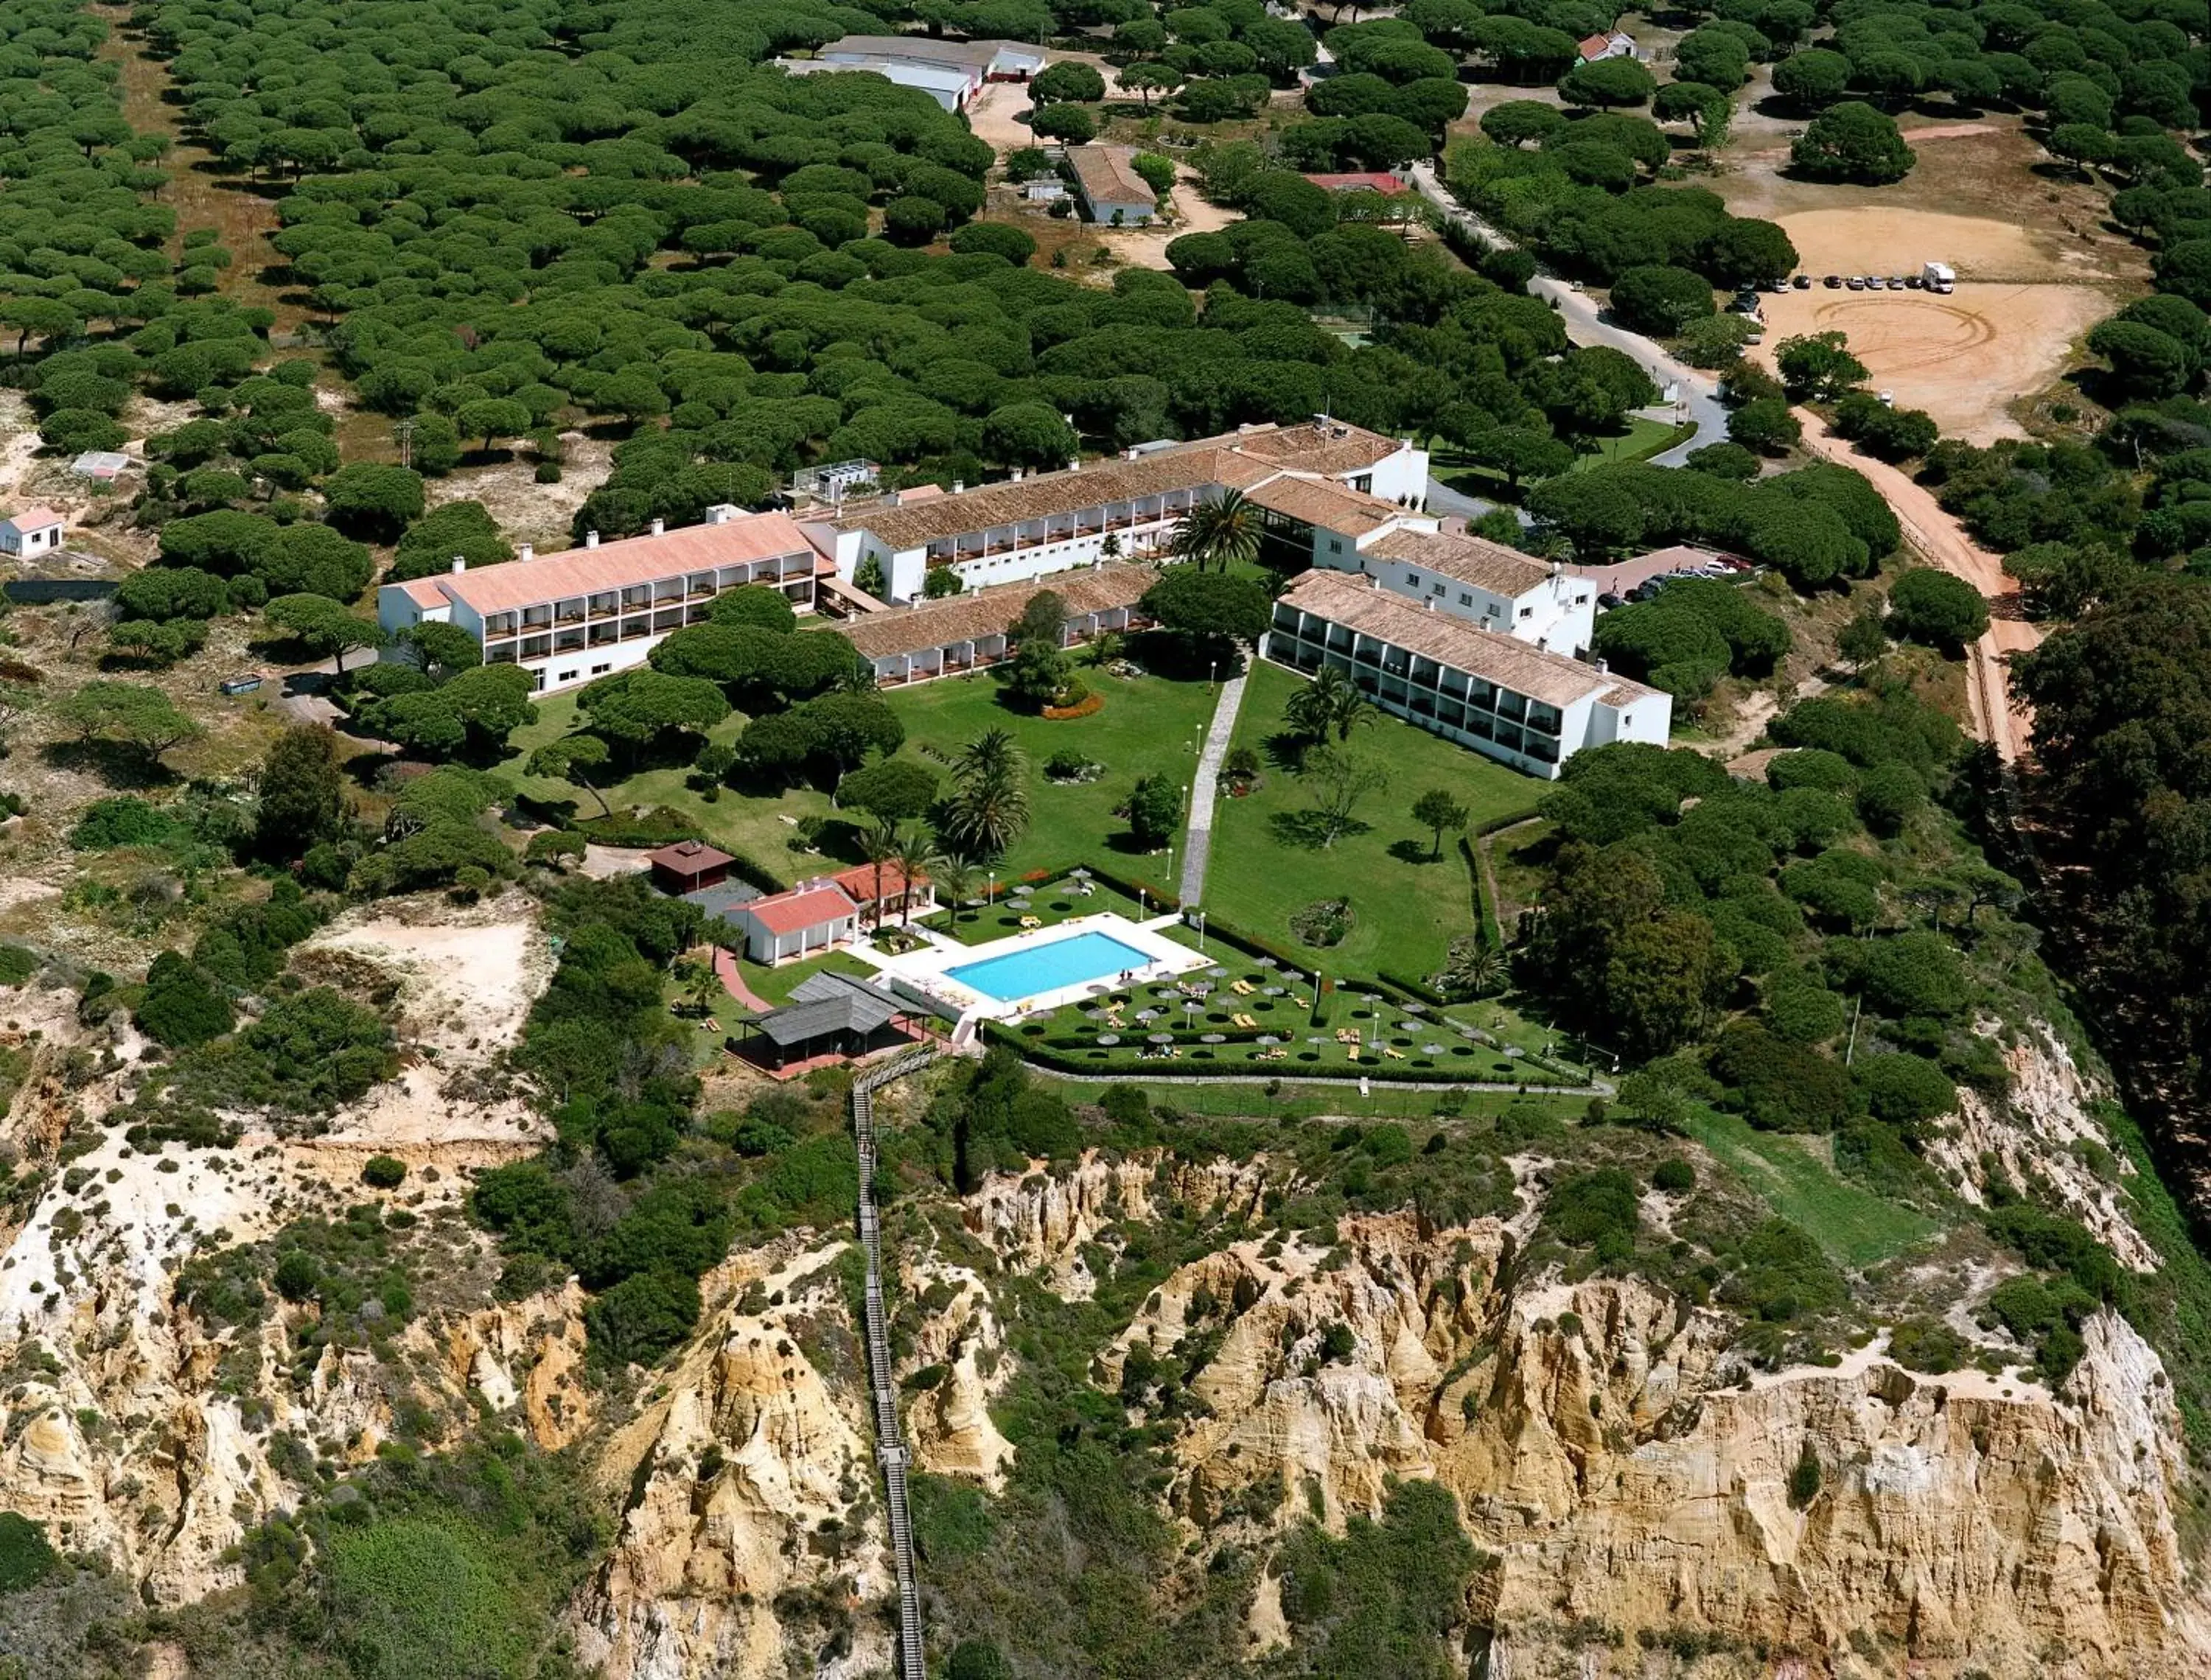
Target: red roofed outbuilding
<point>811,916</point>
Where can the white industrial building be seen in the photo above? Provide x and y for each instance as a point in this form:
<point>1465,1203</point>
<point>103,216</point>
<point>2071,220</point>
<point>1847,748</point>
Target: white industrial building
<point>573,617</point>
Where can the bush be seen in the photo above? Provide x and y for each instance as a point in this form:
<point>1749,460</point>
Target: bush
<point>180,1008</point>
<point>1928,1345</point>
<point>26,1559</point>
<point>122,820</point>
<point>643,1318</point>
<point>1323,924</point>
<point>415,1597</point>
<point>1903,1091</point>
<point>1597,1208</point>
<point>1673,1175</point>
<point>1936,609</point>
<point>1804,1479</point>
<point>383,1172</point>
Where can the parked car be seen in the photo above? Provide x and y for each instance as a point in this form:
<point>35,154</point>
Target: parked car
<point>1875,283</point>
<point>1896,282</point>
<point>1776,285</point>
<point>1888,399</point>
<point>1609,601</point>
<point>1856,282</point>
<point>1912,282</point>
<point>1832,282</point>
<point>243,684</point>
<point>1804,282</point>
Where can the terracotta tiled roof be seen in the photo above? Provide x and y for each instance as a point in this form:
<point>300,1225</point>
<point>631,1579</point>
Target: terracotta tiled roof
<point>425,592</point>
<point>1551,678</point>
<point>1471,559</point>
<point>812,905</point>
<point>859,881</point>
<point>1325,503</point>
<point>31,517</point>
<point>1238,459</point>
<point>980,613</point>
<point>618,565</point>
<point>1108,174</point>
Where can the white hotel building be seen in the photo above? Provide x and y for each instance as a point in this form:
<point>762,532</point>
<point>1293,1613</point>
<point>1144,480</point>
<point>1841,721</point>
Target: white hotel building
<point>572,617</point>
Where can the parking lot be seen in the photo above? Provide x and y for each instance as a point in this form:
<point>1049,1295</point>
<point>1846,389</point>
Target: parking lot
<point>1626,575</point>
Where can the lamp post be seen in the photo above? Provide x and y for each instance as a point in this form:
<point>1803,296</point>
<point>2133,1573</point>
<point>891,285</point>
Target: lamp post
<point>1201,932</point>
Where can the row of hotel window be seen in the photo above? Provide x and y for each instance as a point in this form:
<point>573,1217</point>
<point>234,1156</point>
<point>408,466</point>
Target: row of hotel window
<point>500,644</point>
<point>666,592</point>
<point>1486,712</point>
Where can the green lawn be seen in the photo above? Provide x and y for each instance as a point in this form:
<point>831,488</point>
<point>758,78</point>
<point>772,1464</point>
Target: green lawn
<point>1147,724</point>
<point>775,983</point>
<point>1856,1227</point>
<point>1226,1099</point>
<point>1642,439</point>
<point>1408,906</point>
<point>1049,903</point>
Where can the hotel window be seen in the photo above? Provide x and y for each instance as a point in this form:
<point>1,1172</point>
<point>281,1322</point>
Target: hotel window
<point>1582,600</point>
<point>1435,589</point>
<point>1412,580</point>
<point>1465,598</point>
<point>1335,545</point>
<point>601,670</point>
<point>1526,612</point>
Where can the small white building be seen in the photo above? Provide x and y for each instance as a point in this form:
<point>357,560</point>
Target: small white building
<point>1616,43</point>
<point>811,916</point>
<point>950,85</point>
<point>33,533</point>
<point>1113,192</point>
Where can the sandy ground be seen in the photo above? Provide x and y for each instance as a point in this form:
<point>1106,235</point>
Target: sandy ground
<point>1147,247</point>
<point>526,511</point>
<point>994,115</point>
<point>1964,358</point>
<point>608,863</point>
<point>1997,716</point>
<point>467,980</point>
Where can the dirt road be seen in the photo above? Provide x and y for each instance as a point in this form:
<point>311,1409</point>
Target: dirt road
<point>1939,540</point>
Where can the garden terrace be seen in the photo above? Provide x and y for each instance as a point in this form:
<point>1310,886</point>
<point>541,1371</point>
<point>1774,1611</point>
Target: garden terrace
<point>968,632</point>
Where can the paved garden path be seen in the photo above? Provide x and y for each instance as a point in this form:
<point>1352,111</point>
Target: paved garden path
<point>1198,844</point>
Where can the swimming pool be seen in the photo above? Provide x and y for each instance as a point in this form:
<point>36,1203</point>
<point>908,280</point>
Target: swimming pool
<point>1048,967</point>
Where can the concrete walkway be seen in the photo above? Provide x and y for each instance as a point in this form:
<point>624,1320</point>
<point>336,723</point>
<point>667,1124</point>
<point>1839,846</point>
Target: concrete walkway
<point>733,981</point>
<point>1197,844</point>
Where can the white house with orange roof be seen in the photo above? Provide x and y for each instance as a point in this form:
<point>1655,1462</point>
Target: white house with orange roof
<point>810,917</point>
<point>573,617</point>
<point>31,534</point>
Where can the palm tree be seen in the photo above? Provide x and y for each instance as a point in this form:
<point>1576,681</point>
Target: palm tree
<point>954,875</point>
<point>1215,536</point>
<point>879,845</point>
<point>914,857</point>
<point>1475,969</point>
<point>990,804</point>
<point>1331,704</point>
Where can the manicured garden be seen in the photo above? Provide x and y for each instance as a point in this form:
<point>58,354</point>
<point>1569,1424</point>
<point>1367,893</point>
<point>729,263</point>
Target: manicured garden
<point>1249,1015</point>
<point>1407,904</point>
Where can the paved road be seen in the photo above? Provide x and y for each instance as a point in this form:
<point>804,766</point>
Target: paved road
<point>1197,845</point>
<point>1696,391</point>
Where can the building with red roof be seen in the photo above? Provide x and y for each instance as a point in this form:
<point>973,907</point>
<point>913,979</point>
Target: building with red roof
<point>899,896</point>
<point>688,865</point>
<point>572,617</point>
<point>810,917</point>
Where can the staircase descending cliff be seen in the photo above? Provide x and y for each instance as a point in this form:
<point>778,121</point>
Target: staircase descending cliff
<point>890,1446</point>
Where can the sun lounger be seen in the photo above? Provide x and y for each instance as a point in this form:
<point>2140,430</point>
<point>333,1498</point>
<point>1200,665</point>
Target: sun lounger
<point>1393,1053</point>
<point>1031,921</point>
<point>1242,989</point>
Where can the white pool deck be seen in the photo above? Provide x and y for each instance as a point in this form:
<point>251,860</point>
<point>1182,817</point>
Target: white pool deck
<point>927,968</point>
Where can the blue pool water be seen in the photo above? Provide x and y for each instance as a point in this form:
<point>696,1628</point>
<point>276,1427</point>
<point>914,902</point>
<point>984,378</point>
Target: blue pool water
<point>1046,968</point>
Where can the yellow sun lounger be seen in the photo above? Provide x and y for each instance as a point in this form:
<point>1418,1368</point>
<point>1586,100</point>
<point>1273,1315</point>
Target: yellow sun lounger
<point>1242,989</point>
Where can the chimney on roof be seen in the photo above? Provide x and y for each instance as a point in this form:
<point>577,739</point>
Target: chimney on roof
<point>659,527</point>
<point>1017,476</point>
<point>460,565</point>
<point>1428,603</point>
<point>591,538</point>
<point>527,552</point>
<point>1603,668</point>
<point>959,487</point>
<point>1075,463</point>
<point>721,513</point>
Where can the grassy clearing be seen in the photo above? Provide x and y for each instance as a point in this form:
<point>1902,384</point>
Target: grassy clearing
<point>1856,1227</point>
<point>1641,439</point>
<point>1408,905</point>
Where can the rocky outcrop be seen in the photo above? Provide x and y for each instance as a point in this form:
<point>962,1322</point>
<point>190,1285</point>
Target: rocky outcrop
<point>1043,1220</point>
<point>2038,1133</point>
<point>1619,1469</point>
<point>949,1428</point>
<point>751,1530</point>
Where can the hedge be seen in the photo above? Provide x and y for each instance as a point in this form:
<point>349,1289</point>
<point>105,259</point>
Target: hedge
<point>995,1032</point>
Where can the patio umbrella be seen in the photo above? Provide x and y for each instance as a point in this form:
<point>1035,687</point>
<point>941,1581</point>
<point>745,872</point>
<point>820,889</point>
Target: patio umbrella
<point>1315,1038</point>
<point>1167,993</point>
<point>1098,988</point>
<point>1148,1014</point>
<point>1431,1049</point>
<point>1093,1014</point>
<point>1108,1039</point>
<point>1212,1038</point>
<point>1269,1038</point>
<point>1217,972</point>
<point>1079,874</point>
<point>1162,1037</point>
<point>1270,991</point>
<point>1408,1026</point>
<point>1414,1008</point>
<point>1266,962</point>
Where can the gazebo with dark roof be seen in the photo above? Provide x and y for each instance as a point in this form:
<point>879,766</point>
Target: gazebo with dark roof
<point>688,865</point>
<point>853,1017</point>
